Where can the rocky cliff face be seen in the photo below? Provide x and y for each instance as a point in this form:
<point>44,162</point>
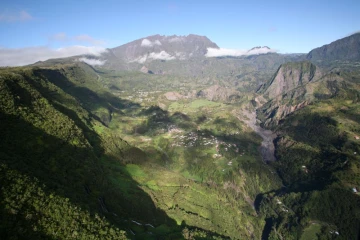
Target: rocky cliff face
<point>347,48</point>
<point>290,76</point>
<point>331,85</point>
<point>294,86</point>
<point>273,112</point>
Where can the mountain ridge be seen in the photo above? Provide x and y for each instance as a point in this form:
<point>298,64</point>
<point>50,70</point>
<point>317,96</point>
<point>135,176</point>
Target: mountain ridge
<point>347,48</point>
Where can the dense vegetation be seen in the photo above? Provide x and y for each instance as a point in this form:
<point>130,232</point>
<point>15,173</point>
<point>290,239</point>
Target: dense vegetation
<point>98,153</point>
<point>64,162</point>
<point>318,161</point>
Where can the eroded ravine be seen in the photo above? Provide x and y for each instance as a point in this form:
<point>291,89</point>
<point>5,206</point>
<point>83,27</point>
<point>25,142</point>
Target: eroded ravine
<point>267,147</point>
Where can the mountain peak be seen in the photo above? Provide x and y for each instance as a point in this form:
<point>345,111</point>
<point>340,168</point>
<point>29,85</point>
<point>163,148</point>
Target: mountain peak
<point>259,47</point>
<point>159,47</point>
<point>258,50</point>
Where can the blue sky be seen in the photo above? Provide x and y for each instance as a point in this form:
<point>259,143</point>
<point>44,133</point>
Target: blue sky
<point>287,26</point>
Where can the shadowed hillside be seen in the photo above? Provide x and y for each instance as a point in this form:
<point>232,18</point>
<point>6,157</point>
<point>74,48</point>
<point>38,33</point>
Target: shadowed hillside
<point>48,139</point>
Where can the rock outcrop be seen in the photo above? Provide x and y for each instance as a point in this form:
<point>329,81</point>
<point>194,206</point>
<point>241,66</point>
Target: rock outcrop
<point>173,96</point>
<point>290,76</point>
<point>296,85</point>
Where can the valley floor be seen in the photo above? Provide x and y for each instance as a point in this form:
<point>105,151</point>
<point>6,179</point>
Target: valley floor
<point>157,168</point>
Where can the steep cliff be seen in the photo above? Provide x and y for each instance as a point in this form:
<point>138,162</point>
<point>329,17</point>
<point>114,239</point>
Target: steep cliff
<point>296,85</point>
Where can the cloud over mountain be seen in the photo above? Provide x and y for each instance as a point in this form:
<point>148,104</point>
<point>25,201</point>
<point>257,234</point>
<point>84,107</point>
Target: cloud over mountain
<point>159,47</point>
<point>221,52</point>
<point>24,56</point>
<point>161,55</point>
<point>147,43</point>
<point>93,62</point>
<point>155,56</point>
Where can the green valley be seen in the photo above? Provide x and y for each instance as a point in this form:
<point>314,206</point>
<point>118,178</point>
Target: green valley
<point>262,146</point>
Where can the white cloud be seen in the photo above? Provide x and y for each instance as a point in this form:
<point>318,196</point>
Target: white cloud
<point>217,52</point>
<point>93,62</point>
<point>220,52</point>
<point>157,56</point>
<point>180,55</point>
<point>142,59</point>
<point>147,43</point>
<point>24,56</point>
<point>161,56</point>
<point>16,17</point>
<point>157,42</point>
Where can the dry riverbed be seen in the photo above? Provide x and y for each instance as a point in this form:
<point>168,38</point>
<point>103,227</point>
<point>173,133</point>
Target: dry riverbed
<point>267,147</point>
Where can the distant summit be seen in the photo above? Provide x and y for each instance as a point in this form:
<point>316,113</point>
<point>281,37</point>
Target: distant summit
<point>159,47</point>
<point>153,50</point>
<point>347,48</point>
<point>259,50</point>
<point>259,47</point>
